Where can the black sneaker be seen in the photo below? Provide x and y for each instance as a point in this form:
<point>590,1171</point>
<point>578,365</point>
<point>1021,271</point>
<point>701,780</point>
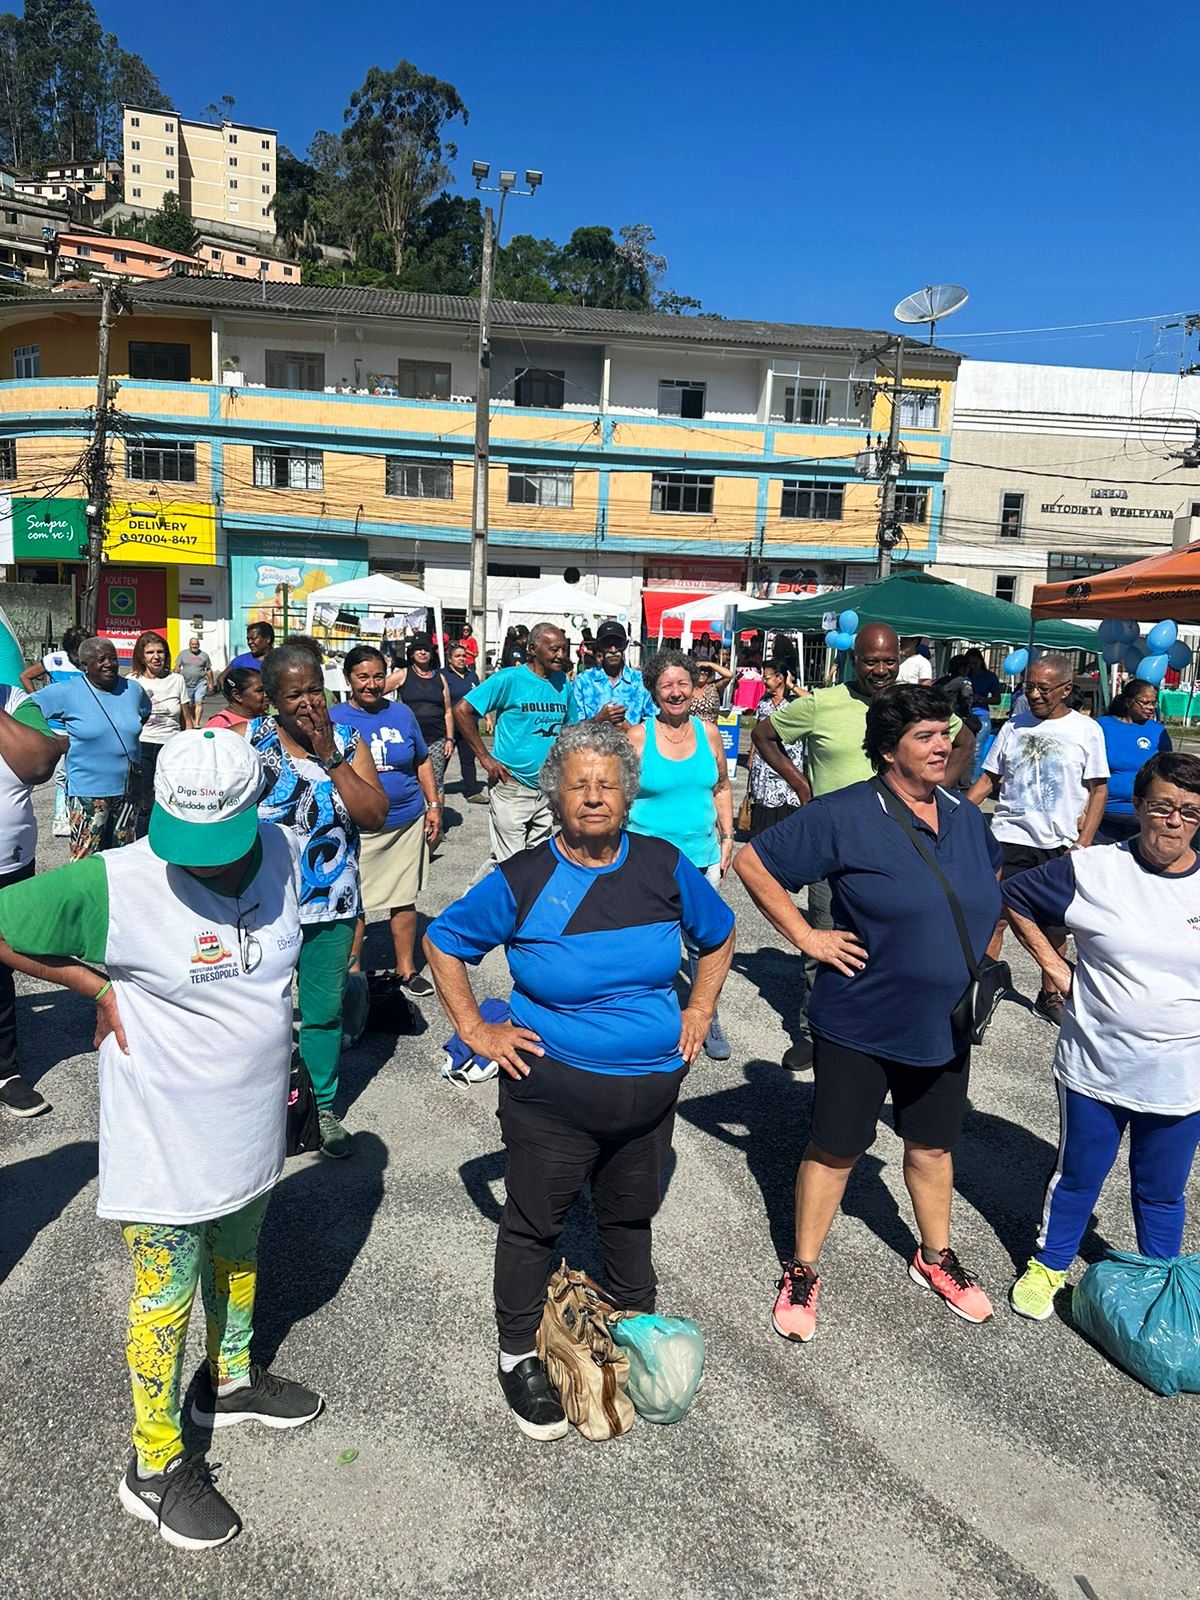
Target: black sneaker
<point>1050,1007</point>
<point>533,1402</point>
<point>798,1057</point>
<point>273,1401</point>
<point>419,987</point>
<point>183,1502</point>
<point>19,1100</point>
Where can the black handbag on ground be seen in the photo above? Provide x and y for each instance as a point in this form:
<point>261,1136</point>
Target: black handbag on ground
<point>303,1123</point>
<point>990,980</point>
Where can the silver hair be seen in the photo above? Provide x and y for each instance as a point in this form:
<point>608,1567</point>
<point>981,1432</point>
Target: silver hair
<point>600,738</point>
<point>1060,663</point>
<point>91,647</point>
<point>538,629</point>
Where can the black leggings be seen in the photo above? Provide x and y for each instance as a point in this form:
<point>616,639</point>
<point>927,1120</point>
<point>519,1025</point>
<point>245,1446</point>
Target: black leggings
<point>561,1126</point>
<point>148,758</point>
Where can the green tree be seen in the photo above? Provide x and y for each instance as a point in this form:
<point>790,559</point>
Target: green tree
<point>125,80</point>
<point>61,45</point>
<point>395,149</point>
<point>18,124</point>
<point>170,228</point>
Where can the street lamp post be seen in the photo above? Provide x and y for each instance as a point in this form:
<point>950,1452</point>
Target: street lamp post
<point>477,592</point>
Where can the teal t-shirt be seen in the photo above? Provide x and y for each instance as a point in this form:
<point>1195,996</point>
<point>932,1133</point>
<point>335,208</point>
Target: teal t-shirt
<point>529,711</point>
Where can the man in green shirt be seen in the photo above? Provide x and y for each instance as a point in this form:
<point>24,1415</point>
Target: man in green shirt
<point>833,723</point>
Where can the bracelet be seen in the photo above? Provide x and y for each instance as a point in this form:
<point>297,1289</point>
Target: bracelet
<point>100,993</point>
<point>432,805</point>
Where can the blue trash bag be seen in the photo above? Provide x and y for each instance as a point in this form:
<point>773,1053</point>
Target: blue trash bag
<point>1145,1314</point>
<point>666,1363</point>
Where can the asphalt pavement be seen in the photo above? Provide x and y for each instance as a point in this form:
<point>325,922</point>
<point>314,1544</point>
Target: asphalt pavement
<point>901,1453</point>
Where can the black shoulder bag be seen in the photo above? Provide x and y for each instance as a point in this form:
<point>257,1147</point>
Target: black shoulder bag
<point>989,979</point>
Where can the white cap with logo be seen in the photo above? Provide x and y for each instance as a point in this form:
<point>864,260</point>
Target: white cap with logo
<point>207,786</point>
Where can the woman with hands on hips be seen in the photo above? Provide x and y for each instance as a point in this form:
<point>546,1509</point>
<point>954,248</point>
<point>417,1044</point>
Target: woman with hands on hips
<point>323,786</point>
<point>597,1047</point>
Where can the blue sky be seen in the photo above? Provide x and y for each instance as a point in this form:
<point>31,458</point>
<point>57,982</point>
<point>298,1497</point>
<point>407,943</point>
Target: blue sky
<point>794,167</point>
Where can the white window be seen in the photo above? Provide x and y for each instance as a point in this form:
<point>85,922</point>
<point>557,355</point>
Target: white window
<point>813,502</point>
<point>161,460</point>
<point>266,188</point>
<point>233,183</point>
<point>295,369</point>
<point>1012,515</point>
<point>8,458</point>
<point>799,400</point>
<point>266,144</point>
<point>135,122</point>
<point>288,468</point>
<point>423,380</point>
<point>1006,587</point>
<point>135,144</point>
<point>241,260</point>
<point>419,480</point>
<point>265,210</point>
<point>233,138</point>
<point>215,254</point>
<point>541,486</point>
<point>912,503</point>
<point>233,205</point>
<point>921,409</point>
<point>168,127</point>
<point>287,271</point>
<point>120,255</point>
<point>233,161</point>
<point>170,150</point>
<point>27,361</point>
<point>685,493</point>
<point>266,166</point>
<point>136,193</point>
<point>170,172</point>
<point>83,249</point>
<point>137,167</point>
<point>680,397</point>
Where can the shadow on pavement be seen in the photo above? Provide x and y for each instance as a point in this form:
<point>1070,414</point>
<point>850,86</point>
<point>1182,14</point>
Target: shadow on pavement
<point>778,975</point>
<point>35,1193</point>
<point>53,1026</point>
<point>318,1221</point>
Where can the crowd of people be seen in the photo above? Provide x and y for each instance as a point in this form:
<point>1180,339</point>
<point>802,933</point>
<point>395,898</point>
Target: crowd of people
<point>218,864</point>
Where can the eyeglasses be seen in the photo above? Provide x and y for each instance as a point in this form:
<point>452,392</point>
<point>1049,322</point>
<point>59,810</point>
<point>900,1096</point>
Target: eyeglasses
<point>1162,812</point>
<point>1038,688</point>
<point>248,944</point>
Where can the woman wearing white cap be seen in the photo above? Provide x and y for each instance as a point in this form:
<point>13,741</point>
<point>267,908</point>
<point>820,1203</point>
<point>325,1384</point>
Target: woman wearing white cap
<point>198,926</point>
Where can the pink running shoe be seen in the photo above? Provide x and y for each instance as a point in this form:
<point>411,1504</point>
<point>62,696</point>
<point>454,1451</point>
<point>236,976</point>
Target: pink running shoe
<point>795,1313</point>
<point>954,1283</point>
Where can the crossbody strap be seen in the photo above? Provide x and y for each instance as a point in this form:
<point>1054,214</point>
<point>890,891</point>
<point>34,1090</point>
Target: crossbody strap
<point>100,703</point>
<point>898,811</point>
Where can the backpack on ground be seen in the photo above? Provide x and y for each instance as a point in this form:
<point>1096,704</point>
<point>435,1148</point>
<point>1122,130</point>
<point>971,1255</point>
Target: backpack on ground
<point>588,1371</point>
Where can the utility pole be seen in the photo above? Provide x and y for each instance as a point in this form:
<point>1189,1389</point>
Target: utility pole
<point>95,466</point>
<point>892,468</point>
<point>477,591</point>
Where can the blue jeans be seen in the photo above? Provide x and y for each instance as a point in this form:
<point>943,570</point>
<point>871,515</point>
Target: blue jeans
<point>1161,1149</point>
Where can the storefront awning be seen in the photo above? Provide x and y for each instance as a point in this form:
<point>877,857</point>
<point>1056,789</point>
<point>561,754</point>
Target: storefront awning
<point>656,601</point>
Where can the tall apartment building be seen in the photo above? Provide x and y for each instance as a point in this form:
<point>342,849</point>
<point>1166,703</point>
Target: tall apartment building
<point>222,172</point>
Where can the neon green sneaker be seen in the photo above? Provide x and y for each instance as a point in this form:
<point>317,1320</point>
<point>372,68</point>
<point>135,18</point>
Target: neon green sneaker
<point>1033,1293</point>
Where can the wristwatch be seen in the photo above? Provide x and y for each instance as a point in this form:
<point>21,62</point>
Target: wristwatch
<point>335,760</point>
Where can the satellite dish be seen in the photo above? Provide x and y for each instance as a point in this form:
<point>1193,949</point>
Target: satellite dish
<point>931,304</point>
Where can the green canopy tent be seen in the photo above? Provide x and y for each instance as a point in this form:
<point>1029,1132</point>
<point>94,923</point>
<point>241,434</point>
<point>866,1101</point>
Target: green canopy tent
<point>920,606</point>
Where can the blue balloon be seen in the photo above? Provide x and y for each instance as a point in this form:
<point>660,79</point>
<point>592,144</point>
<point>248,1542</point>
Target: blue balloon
<point>848,622</point>
<point>831,639</point>
<point>1161,637</point>
<point>1114,652</point>
<point>1151,669</point>
<point>1111,631</point>
<point>1133,658</point>
<point>1130,632</point>
<point>1016,662</point>
<point>1179,655</point>
<point>845,641</point>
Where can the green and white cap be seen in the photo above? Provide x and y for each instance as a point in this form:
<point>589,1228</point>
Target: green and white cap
<point>206,789</point>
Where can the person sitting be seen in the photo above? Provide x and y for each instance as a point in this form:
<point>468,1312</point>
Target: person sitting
<point>596,1047</point>
<point>891,970</point>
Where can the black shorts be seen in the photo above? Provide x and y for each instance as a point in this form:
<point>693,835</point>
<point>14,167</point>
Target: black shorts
<point>1018,858</point>
<point>927,1102</point>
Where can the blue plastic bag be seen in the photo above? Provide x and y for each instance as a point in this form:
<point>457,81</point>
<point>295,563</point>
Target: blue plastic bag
<point>1145,1314</point>
<point>666,1363</point>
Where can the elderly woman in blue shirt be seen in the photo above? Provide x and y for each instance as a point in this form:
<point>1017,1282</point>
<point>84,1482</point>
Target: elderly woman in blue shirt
<point>596,1048</point>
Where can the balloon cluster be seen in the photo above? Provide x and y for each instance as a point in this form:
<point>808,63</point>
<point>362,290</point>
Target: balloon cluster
<point>842,637</point>
<point>1148,658</point>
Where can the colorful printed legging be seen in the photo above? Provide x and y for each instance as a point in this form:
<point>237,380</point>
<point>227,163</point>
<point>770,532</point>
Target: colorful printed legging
<point>169,1259</point>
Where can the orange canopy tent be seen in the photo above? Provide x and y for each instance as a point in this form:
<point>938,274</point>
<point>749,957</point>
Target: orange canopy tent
<point>1162,586</point>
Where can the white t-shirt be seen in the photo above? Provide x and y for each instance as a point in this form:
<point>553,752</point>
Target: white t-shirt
<point>1043,767</point>
<point>915,669</point>
<point>167,695</point>
<point>193,1119</point>
<point>18,826</point>
<point>1130,1033</point>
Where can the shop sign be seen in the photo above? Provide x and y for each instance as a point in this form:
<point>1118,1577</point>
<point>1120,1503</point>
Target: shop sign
<point>170,532</point>
<point>49,530</point>
<point>712,572</point>
<point>132,601</point>
<point>1058,508</point>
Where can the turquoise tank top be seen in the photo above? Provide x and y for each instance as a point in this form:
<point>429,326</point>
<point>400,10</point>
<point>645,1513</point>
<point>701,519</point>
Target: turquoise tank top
<point>675,801</point>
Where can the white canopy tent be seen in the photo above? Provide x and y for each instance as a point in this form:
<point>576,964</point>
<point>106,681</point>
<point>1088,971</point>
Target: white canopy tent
<point>709,608</point>
<point>558,602</point>
<point>377,595</point>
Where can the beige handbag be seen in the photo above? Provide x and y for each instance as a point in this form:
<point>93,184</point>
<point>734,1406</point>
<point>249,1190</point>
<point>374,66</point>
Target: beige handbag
<point>589,1373</point>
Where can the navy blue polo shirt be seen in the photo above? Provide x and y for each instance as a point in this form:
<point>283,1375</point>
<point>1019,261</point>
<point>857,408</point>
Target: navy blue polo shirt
<point>593,953</point>
<point>899,1006</point>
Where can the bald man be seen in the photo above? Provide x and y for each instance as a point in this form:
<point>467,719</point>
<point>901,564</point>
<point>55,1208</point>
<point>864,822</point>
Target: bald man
<point>833,724</point>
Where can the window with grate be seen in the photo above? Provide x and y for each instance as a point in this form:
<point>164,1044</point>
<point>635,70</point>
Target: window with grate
<point>541,486</point>
<point>683,493</point>
<point>813,502</point>
<point>288,468</point>
<point>161,461</point>
<point>921,409</point>
<point>8,458</point>
<point>419,480</point>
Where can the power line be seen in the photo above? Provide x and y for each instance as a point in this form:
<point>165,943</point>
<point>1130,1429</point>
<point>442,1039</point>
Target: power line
<point>1067,327</point>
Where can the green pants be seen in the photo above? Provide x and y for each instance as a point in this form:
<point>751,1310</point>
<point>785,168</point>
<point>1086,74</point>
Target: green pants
<point>322,970</point>
<point>169,1259</point>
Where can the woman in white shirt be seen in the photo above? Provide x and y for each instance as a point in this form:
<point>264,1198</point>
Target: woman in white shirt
<point>171,711</point>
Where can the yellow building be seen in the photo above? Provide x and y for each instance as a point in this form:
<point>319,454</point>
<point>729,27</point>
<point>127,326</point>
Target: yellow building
<point>279,437</point>
<point>222,172</point>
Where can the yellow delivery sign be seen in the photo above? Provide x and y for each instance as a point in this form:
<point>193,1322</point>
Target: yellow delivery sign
<point>157,531</point>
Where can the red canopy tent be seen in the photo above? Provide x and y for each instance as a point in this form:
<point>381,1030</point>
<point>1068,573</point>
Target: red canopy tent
<point>1152,590</point>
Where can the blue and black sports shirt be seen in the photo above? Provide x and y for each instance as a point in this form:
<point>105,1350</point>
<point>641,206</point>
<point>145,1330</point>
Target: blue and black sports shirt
<point>593,952</point>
